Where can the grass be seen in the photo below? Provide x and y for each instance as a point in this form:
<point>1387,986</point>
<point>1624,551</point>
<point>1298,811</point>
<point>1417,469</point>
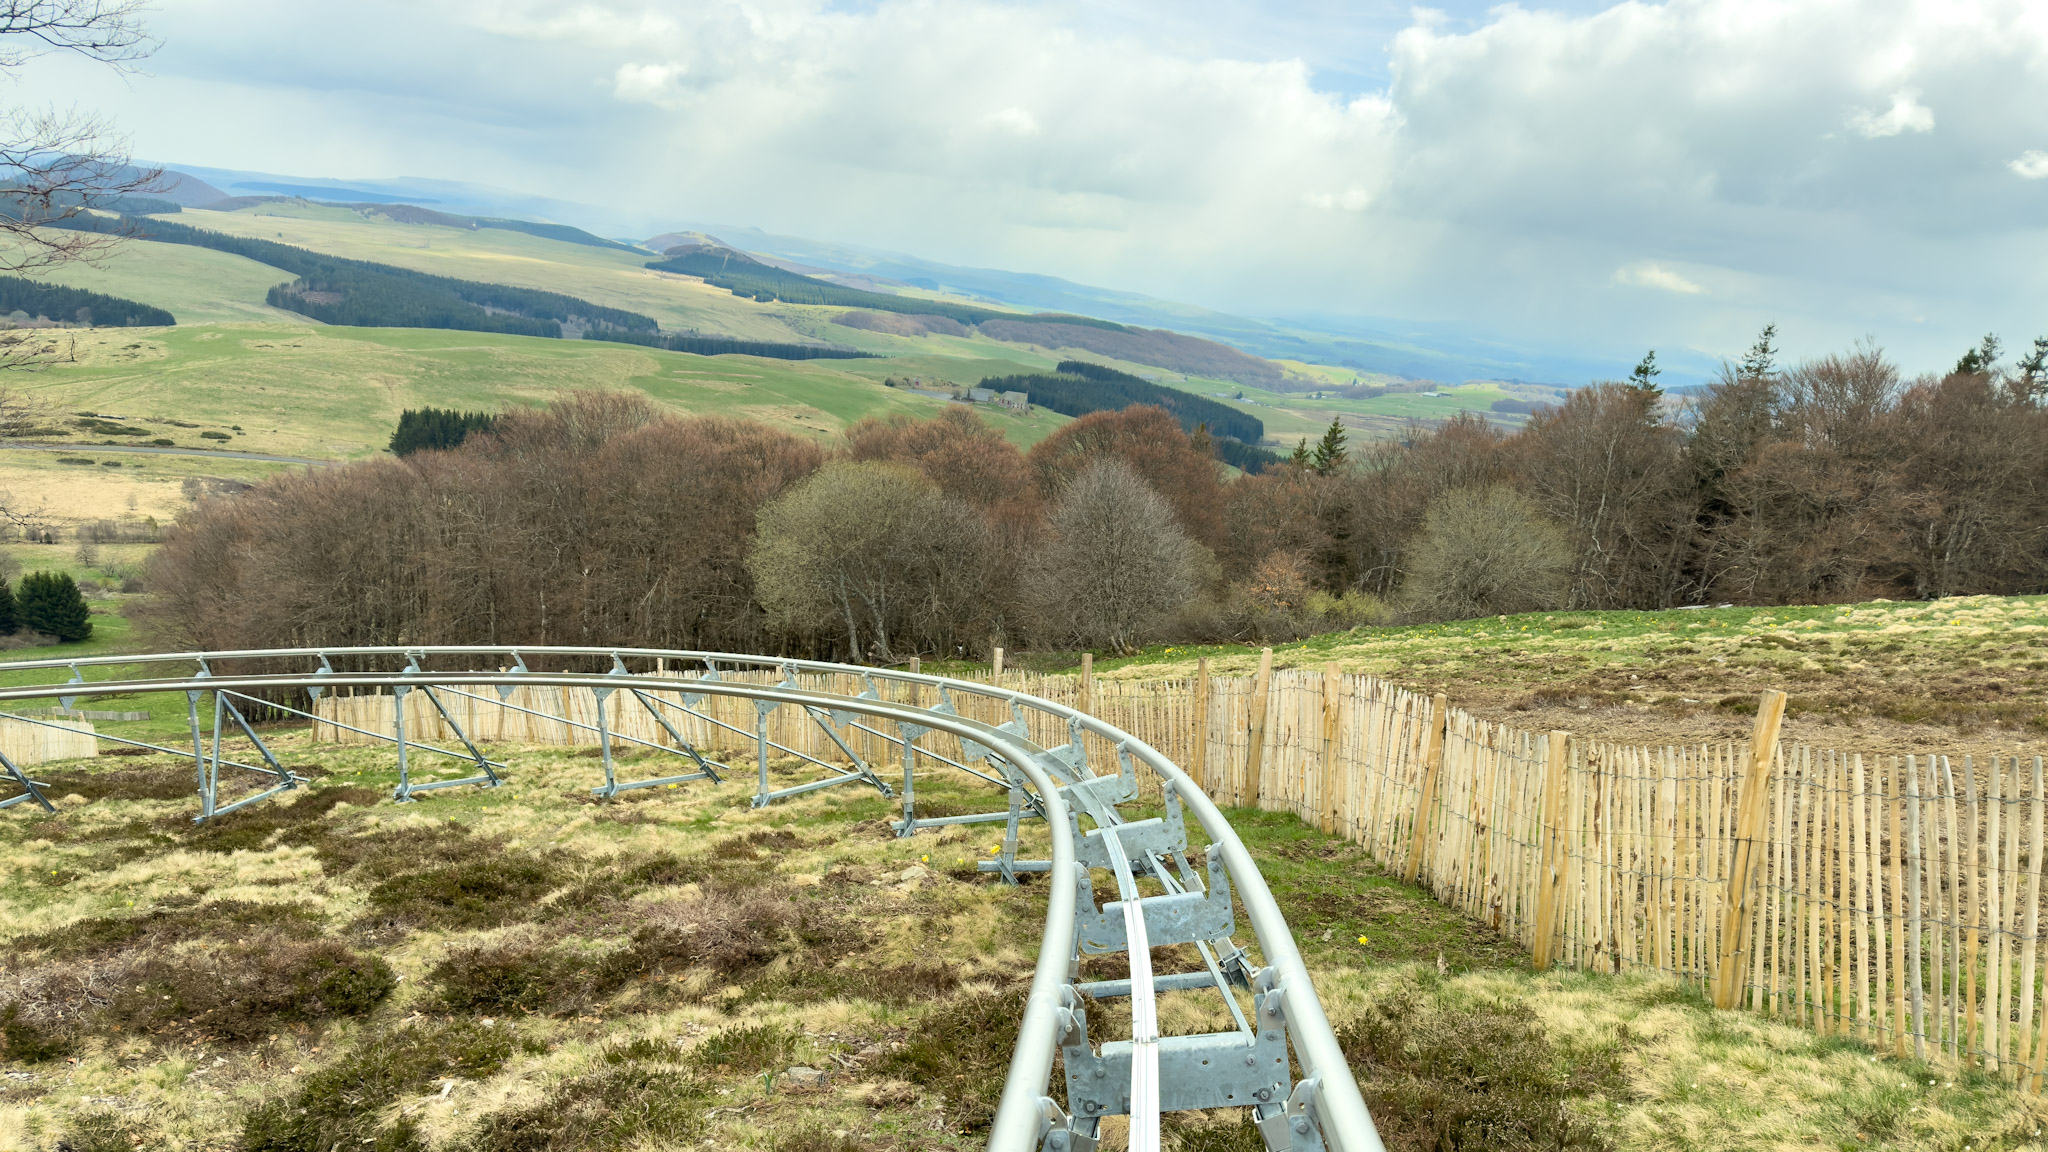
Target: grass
<point>330,392</point>
<point>1967,673</point>
<point>643,974</point>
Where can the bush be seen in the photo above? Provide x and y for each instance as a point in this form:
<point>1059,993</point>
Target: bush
<point>1445,1078</point>
<point>215,436</point>
<point>49,602</point>
<point>10,619</point>
<point>337,1107</point>
<point>1484,552</point>
<point>961,1049</point>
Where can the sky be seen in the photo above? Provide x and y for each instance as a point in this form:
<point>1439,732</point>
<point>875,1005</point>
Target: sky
<point>1573,176</point>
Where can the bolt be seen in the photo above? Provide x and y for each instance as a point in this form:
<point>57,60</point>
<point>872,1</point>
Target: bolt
<point>1059,1140</point>
<point>1251,1061</point>
<point>1090,1106</point>
<point>1101,1072</point>
<point>1264,1094</point>
<point>1301,1125</point>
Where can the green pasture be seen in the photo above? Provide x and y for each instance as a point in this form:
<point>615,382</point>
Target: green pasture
<point>327,392</point>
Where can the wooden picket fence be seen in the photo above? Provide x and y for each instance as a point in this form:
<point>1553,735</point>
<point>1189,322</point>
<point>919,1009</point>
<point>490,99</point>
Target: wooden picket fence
<point>27,744</point>
<point>1893,899</point>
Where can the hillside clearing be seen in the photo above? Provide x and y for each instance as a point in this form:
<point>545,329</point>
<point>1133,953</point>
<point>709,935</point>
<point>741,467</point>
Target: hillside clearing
<point>545,970</point>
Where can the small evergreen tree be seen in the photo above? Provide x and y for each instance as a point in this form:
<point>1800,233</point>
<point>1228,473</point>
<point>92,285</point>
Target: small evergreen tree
<point>10,623</point>
<point>1762,358</point>
<point>1300,458</point>
<point>1644,377</point>
<point>441,428</point>
<point>1982,358</point>
<point>49,602</point>
<point>1329,452</point>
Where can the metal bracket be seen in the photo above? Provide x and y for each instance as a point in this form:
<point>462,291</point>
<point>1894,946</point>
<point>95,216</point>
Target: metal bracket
<point>1180,918</point>
<point>30,789</point>
<point>1209,1070</point>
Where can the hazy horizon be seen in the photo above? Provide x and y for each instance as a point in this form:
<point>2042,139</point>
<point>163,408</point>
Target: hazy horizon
<point>1583,178</point>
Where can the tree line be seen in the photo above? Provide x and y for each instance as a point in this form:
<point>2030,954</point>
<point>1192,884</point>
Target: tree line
<point>76,305</point>
<point>335,290</point>
<point>420,429</point>
<point>1077,387</point>
<point>742,275</point>
<point>603,521</point>
<point>728,346</point>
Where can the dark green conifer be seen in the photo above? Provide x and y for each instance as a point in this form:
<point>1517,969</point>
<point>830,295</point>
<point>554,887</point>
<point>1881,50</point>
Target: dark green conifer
<point>50,603</point>
<point>10,621</point>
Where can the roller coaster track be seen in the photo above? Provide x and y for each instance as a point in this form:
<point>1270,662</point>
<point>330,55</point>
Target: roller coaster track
<point>1274,1004</point>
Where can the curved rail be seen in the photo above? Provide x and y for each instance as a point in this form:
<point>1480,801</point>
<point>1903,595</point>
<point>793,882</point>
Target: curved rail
<point>1323,1110</point>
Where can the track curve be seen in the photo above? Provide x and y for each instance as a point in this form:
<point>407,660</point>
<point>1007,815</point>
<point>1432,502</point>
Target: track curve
<point>1323,1110</point>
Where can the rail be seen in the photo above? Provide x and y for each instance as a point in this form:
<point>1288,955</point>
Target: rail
<point>1245,1067</point>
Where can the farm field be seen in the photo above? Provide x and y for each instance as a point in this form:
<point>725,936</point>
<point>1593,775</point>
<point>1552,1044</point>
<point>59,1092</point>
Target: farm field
<point>524,967</point>
<point>1967,674</point>
<point>336,393</point>
<point>203,287</point>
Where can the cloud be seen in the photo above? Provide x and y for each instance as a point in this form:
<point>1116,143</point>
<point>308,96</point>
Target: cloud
<point>1906,114</point>
<point>646,83</point>
<point>1515,158</point>
<point>1647,275</point>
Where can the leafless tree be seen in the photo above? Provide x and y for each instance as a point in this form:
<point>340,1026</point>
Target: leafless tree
<point>1115,565</point>
<point>1483,551</point>
<point>877,550</point>
<point>57,164</point>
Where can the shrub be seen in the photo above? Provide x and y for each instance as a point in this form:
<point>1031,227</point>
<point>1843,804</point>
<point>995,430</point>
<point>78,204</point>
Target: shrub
<point>210,435</point>
<point>762,1048</point>
<point>50,602</point>
<point>337,1107</point>
<point>1444,1078</point>
<point>243,990</point>
<point>1486,551</point>
<point>961,1049</point>
<point>623,1105</point>
<point>24,1042</point>
<point>481,893</point>
<point>10,620</point>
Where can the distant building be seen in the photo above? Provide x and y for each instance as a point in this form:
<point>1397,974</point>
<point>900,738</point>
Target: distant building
<point>1021,401</point>
<point>981,395</point>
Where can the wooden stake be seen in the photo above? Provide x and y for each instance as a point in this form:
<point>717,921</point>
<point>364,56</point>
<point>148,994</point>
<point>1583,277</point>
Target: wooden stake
<point>996,668</point>
<point>1971,943</point>
<point>1087,679</point>
<point>1201,733</point>
<point>1915,876</point>
<point>2021,1051</point>
<point>1432,765</point>
<point>1326,795</point>
<point>1739,905</point>
<point>1896,907</point>
<point>1550,843</point>
<point>1255,757</point>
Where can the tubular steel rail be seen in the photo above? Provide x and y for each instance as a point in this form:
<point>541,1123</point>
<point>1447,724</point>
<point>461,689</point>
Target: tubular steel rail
<point>1247,1066</point>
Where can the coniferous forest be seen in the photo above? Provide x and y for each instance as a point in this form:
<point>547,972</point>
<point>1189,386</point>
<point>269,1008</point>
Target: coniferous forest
<point>76,305</point>
<point>334,290</point>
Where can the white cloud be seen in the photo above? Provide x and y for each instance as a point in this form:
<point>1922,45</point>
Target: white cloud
<point>1015,122</point>
<point>646,83</point>
<point>1647,275</point>
<point>1515,159</point>
<point>1906,114</point>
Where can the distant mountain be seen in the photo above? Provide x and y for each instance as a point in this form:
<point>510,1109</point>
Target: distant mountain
<point>1412,350</point>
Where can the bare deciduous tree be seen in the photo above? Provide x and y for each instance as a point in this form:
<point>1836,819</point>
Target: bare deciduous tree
<point>57,164</point>
<point>873,550</point>
<point>1484,551</point>
<point>1115,565</point>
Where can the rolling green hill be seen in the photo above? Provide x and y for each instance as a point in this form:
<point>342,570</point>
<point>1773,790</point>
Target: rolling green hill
<point>305,389</point>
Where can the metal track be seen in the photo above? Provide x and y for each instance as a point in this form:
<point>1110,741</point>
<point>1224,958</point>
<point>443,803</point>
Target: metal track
<point>1274,1005</point>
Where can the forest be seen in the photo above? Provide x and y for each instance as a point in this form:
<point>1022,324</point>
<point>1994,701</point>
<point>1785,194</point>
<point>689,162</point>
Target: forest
<point>744,276</point>
<point>728,346</point>
<point>334,290</point>
<point>75,305</point>
<point>1077,387</point>
<point>604,521</point>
